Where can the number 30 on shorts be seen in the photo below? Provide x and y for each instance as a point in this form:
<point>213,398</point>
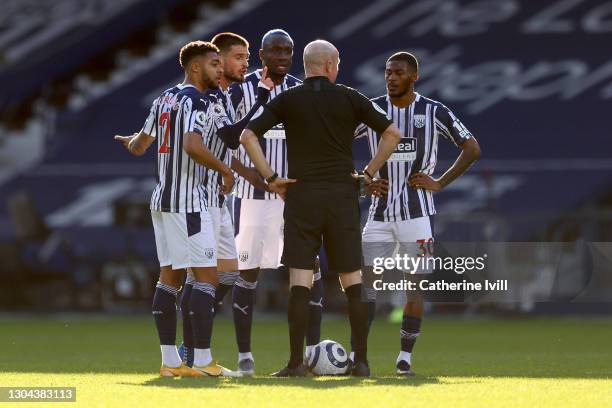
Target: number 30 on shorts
<point>425,246</point>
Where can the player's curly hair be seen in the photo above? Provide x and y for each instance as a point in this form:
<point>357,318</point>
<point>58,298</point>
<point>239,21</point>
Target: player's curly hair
<point>224,41</point>
<point>406,57</point>
<point>193,49</point>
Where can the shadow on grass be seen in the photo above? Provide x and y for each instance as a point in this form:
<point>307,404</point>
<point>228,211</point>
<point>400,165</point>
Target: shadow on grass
<point>308,382</point>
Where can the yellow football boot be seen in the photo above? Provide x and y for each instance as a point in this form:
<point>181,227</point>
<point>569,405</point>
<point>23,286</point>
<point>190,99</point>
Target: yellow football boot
<point>179,371</point>
<point>214,370</point>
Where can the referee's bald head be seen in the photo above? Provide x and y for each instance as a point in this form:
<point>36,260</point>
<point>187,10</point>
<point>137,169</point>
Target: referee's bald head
<point>321,58</point>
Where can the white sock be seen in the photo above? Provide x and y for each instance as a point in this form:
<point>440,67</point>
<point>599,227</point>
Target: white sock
<point>309,350</point>
<point>170,356</point>
<point>245,356</point>
<point>404,355</point>
<point>201,357</point>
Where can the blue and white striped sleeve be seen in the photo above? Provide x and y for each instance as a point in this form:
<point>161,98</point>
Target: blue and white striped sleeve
<point>194,115</point>
<point>149,127</point>
<point>450,126</point>
<point>219,115</point>
<point>361,131</point>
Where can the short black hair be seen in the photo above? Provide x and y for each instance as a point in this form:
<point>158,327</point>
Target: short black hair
<point>224,41</point>
<point>406,57</point>
<point>276,31</point>
<point>193,49</point>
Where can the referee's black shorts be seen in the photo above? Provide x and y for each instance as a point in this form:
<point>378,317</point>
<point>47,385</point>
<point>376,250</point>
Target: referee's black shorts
<point>322,213</point>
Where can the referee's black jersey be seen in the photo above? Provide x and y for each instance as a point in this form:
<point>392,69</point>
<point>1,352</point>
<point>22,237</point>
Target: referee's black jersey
<point>320,119</point>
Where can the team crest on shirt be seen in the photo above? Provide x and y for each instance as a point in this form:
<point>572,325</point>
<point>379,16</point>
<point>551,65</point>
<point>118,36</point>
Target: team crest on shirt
<point>175,107</point>
<point>201,117</point>
<point>419,121</point>
<point>209,252</point>
<point>217,109</point>
<point>243,256</point>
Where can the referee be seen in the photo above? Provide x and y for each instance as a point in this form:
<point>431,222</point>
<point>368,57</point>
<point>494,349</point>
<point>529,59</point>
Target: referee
<point>321,194</point>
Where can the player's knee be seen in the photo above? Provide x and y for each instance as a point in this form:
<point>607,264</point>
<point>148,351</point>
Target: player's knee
<point>350,278</point>
<point>227,265</point>
<point>206,275</point>
<point>300,277</point>
<point>249,275</point>
<point>170,277</point>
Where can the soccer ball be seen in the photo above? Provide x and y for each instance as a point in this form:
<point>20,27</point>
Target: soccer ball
<point>328,358</point>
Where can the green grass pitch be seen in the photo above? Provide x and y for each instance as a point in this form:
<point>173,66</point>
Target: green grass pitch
<point>113,362</point>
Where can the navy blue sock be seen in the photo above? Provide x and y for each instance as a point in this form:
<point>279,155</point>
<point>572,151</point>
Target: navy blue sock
<point>313,333</point>
<point>411,328</point>
<point>201,313</point>
<point>243,299</point>
<point>220,294</point>
<point>226,283</point>
<point>187,329</point>
<point>164,312</point>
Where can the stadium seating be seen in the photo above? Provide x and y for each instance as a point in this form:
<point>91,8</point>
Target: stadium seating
<point>534,106</point>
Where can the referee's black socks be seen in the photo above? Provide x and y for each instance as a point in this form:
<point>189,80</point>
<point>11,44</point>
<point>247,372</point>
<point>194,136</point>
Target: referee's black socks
<point>299,299</point>
<point>358,317</point>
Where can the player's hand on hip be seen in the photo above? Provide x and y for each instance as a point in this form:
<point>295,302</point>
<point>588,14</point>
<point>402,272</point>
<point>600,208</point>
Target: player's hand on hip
<point>279,186</point>
<point>125,140</point>
<point>378,187</point>
<point>228,182</point>
<point>424,181</point>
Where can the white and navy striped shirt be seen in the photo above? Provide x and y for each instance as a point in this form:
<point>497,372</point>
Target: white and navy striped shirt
<point>273,144</point>
<point>213,179</point>
<point>421,123</point>
<point>180,180</point>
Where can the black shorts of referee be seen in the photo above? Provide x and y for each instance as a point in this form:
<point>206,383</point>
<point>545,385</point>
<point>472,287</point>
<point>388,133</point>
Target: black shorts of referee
<point>322,213</point>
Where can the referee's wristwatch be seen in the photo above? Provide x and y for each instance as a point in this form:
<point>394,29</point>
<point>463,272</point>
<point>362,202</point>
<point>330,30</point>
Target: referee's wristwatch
<point>272,178</point>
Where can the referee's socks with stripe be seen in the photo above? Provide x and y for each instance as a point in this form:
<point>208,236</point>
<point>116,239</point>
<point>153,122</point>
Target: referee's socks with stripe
<point>358,317</point>
<point>297,316</point>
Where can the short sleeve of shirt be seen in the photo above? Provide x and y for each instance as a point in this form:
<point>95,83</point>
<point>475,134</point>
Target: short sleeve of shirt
<point>270,116</point>
<point>150,125</point>
<point>450,126</point>
<point>371,114</point>
<point>217,113</point>
<point>194,115</point>
<point>236,96</point>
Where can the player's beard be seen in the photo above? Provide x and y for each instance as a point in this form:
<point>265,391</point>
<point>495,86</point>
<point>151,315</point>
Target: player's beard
<point>399,92</point>
<point>233,77</point>
<point>210,83</point>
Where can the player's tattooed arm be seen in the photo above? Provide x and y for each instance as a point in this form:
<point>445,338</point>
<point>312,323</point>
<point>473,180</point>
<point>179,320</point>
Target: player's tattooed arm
<point>195,148</point>
<point>250,174</point>
<point>470,152</point>
<point>137,143</point>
